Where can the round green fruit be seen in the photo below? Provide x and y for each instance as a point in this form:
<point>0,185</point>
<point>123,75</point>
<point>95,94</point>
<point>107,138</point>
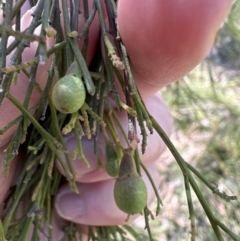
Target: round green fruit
<point>112,163</point>
<point>130,194</point>
<point>68,94</point>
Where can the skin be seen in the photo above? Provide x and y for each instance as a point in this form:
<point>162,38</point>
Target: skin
<point>170,39</point>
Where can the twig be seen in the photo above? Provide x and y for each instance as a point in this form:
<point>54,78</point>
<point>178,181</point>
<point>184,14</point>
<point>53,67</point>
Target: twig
<point>159,200</point>
<point>35,60</point>
<point>67,29</point>
<point>85,28</point>
<point>146,213</point>
<point>210,186</point>
<point>190,208</point>
<point>181,163</point>
<point>4,38</point>
<point>22,35</point>
<point>83,66</point>
<point>50,140</point>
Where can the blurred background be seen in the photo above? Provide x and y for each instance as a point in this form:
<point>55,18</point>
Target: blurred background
<point>206,109</point>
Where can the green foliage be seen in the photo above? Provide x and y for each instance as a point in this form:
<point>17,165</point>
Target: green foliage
<point>206,110</point>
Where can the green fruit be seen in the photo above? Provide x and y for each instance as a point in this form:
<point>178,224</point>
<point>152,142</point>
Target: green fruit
<point>112,163</point>
<point>130,194</point>
<point>68,94</point>
<point>130,191</point>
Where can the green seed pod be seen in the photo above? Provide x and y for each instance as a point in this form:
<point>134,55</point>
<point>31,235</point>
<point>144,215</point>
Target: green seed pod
<point>68,94</point>
<point>130,191</point>
<point>112,163</point>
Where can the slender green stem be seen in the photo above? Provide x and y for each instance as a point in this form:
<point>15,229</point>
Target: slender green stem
<point>86,34</point>
<point>56,47</point>
<point>86,122</point>
<point>116,118</point>
<point>83,66</point>
<point>51,166</point>
<point>85,28</point>
<point>16,201</point>
<point>181,163</point>
<point>110,78</point>
<point>22,35</point>
<point>51,218</point>
<point>67,29</point>
<point>128,109</point>
<point>2,236</point>
<point>112,131</point>
<point>142,128</point>
<point>227,230</point>
<point>79,150</point>
<point>159,200</point>
<point>111,126</point>
<point>190,208</point>
<point>35,235</point>
<point>35,60</point>
<point>209,185</point>
<point>100,15</point>
<point>36,196</point>
<point>16,120</point>
<point>45,15</point>
<point>17,7</point>
<point>94,115</point>
<point>56,128</point>
<point>111,50</point>
<point>50,140</point>
<point>12,46</point>
<point>146,212</point>
<point>132,231</point>
<point>16,57</point>
<point>25,231</point>
<point>4,38</point>
<point>134,91</point>
<point>70,125</point>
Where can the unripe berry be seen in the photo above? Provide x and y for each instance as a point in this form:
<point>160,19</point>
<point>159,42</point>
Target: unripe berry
<point>112,162</point>
<point>68,94</point>
<point>130,191</point>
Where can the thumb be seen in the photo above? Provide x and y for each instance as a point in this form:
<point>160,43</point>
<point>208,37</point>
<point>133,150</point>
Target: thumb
<point>170,37</point>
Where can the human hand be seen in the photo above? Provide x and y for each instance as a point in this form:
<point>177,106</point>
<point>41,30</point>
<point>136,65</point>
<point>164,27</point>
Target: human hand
<point>170,38</point>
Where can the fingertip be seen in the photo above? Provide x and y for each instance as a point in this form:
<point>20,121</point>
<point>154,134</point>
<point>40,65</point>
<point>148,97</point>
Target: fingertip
<point>170,37</point>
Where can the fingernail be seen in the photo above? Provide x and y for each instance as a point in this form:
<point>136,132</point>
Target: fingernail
<point>70,206</point>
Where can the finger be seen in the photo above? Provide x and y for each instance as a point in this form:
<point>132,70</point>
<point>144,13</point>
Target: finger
<point>167,39</point>
<point>95,204</point>
<point>8,111</point>
<point>155,145</point>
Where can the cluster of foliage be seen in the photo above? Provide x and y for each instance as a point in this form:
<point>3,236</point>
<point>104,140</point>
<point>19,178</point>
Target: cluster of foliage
<point>201,106</point>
